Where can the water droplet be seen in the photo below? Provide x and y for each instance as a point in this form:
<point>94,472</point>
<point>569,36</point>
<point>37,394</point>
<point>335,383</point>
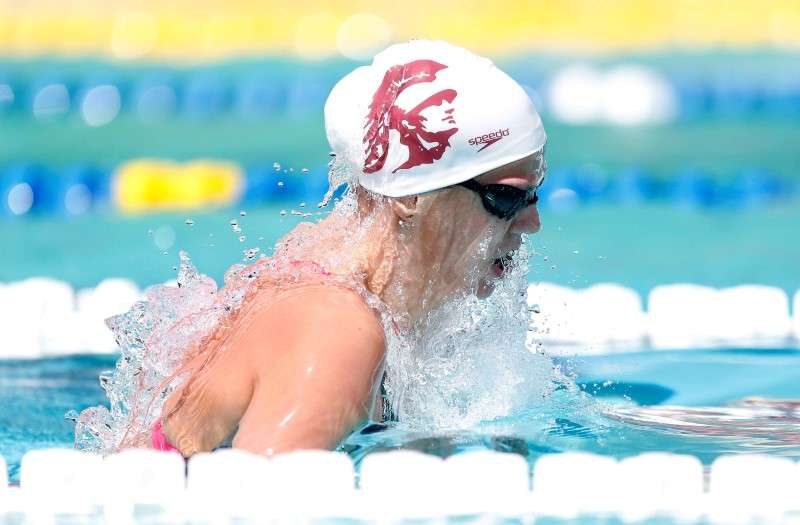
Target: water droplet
<point>297,213</point>
<point>242,238</point>
<point>234,222</point>
<point>535,308</point>
<point>250,253</point>
<point>174,268</point>
<point>149,232</point>
<point>165,252</point>
<point>283,213</point>
<point>261,238</point>
<point>576,252</point>
<point>546,258</point>
<point>280,184</point>
<point>553,267</point>
<point>302,204</point>
<point>291,170</point>
<point>237,229</point>
<point>71,415</point>
<point>242,213</point>
<point>276,166</point>
<point>332,154</point>
<point>189,221</point>
<point>305,170</point>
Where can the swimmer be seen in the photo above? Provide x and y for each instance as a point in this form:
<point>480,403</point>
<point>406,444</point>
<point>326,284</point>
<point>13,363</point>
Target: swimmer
<point>445,153</point>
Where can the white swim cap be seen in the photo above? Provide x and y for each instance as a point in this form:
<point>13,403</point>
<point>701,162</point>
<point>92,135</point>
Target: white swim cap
<point>426,115</point>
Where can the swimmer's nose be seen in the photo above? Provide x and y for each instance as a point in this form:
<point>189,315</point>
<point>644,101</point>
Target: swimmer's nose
<point>527,220</point>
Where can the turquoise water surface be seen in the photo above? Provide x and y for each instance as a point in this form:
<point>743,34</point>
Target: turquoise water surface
<point>639,247</point>
<point>42,391</point>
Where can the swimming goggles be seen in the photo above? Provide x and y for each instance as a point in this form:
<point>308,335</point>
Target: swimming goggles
<point>504,201</point>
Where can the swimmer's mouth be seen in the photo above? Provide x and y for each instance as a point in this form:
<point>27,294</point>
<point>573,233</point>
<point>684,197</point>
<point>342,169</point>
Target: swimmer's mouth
<point>501,264</point>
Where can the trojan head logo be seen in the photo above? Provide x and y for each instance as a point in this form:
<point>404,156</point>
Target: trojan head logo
<point>424,129</point>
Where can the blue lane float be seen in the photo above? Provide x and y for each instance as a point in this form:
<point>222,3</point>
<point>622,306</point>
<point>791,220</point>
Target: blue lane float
<point>693,188</point>
<point>30,188</point>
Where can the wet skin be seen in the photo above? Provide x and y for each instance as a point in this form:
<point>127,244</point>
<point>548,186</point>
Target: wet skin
<point>302,374</point>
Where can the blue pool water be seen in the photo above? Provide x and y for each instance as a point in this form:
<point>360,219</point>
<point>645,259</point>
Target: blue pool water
<point>704,386</point>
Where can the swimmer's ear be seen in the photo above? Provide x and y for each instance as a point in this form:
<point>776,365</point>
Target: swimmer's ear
<point>405,207</point>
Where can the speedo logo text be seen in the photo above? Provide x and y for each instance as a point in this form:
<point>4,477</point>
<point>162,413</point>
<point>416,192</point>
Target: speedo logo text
<point>489,139</point>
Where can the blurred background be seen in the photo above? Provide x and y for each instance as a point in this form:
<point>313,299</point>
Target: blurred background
<point>131,130</point>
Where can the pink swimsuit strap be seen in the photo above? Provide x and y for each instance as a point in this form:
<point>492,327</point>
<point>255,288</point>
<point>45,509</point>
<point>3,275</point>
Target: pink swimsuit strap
<point>312,265</point>
<point>159,440</point>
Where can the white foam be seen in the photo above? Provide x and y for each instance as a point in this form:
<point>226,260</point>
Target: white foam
<point>660,483</point>
<point>574,483</point>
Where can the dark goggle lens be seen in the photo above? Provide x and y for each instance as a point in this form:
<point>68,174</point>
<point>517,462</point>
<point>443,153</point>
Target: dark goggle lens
<point>505,201</point>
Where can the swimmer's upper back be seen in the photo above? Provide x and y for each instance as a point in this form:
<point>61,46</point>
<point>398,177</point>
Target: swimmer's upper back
<point>297,373</point>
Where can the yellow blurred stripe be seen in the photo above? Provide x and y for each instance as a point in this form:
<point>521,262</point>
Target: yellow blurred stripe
<point>150,185</point>
<point>211,29</point>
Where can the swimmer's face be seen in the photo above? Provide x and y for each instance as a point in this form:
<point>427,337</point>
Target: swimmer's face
<point>468,248</point>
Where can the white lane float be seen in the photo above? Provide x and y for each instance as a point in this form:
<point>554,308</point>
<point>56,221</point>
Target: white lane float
<point>753,488</point>
<point>407,476</point>
<point>95,305</point>
<point>28,308</point>
<point>572,484</point>
<point>554,319</point>
<point>399,485</point>
<point>142,478</point>
<point>326,478</point>
<point>597,319</point>
<point>56,481</point>
<point>753,315</point>
<point>486,482</point>
<point>46,317</point>
<point>228,483</point>
<point>796,310</point>
<point>682,316</point>
<point>657,484</point>
<point>691,316</point>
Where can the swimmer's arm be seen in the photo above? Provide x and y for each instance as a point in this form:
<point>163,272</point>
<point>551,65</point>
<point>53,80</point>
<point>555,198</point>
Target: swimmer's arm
<point>315,358</point>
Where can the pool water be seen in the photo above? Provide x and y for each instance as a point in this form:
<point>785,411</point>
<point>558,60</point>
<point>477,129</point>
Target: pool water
<point>683,402</point>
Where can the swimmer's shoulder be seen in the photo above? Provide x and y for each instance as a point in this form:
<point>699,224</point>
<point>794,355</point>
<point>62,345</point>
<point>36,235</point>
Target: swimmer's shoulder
<point>321,314</point>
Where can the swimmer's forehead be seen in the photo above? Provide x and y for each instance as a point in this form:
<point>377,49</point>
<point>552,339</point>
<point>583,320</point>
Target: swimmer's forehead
<point>523,173</point>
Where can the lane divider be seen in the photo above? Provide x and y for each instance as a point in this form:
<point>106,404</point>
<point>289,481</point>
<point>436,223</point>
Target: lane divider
<point>46,317</point>
<point>233,484</point>
<point>153,185</point>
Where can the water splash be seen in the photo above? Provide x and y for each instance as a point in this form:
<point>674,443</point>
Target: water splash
<point>468,362</point>
<point>153,338</point>
<point>462,363</point>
